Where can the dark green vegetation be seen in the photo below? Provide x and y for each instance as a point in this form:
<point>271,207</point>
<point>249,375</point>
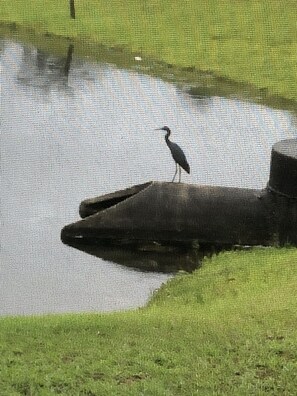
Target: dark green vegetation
<point>253,42</point>
<point>230,328</point>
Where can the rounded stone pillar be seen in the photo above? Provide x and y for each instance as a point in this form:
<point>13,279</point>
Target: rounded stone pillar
<point>283,168</point>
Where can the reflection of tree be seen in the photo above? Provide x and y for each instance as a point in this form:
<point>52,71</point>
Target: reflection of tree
<point>44,70</point>
<point>202,93</point>
<point>1,45</point>
<point>294,120</point>
<point>41,60</point>
<point>201,97</point>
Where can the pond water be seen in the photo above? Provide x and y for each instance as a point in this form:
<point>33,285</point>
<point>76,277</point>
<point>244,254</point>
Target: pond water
<point>72,129</point>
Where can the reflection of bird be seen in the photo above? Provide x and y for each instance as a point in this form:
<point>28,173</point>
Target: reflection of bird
<point>177,154</point>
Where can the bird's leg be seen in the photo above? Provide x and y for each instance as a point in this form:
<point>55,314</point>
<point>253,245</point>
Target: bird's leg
<point>179,179</point>
<point>175,172</point>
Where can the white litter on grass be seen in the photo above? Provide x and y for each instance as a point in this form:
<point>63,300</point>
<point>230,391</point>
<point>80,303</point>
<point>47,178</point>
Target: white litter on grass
<point>138,58</point>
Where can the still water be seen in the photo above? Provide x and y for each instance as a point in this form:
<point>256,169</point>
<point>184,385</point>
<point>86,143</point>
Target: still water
<point>74,130</point>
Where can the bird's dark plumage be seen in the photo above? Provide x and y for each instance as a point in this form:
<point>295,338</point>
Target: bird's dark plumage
<point>178,155</point>
<point>176,152</point>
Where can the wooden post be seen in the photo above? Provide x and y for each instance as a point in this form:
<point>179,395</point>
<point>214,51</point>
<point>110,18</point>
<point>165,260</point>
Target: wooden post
<point>72,9</point>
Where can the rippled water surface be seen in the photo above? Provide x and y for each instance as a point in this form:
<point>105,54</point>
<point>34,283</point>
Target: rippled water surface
<point>74,129</point>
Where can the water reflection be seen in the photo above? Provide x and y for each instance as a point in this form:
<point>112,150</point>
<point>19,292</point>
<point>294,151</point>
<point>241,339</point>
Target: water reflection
<point>42,70</point>
<point>147,256</point>
<point>72,129</point>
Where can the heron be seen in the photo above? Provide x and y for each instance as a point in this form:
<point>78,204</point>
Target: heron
<point>177,153</point>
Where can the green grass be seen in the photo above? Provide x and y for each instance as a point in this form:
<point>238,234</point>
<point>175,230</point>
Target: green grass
<point>230,328</point>
<point>252,41</point>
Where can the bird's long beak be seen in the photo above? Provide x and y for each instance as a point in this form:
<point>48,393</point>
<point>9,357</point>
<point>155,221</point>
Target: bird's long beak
<point>158,129</point>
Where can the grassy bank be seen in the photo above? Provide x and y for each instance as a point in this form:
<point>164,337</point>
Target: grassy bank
<point>247,41</point>
<point>228,329</point>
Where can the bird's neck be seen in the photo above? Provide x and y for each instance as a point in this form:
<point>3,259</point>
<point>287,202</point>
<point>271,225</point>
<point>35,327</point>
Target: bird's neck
<point>167,136</point>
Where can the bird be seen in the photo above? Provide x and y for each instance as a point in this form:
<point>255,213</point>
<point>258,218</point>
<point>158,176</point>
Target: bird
<point>176,152</point>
